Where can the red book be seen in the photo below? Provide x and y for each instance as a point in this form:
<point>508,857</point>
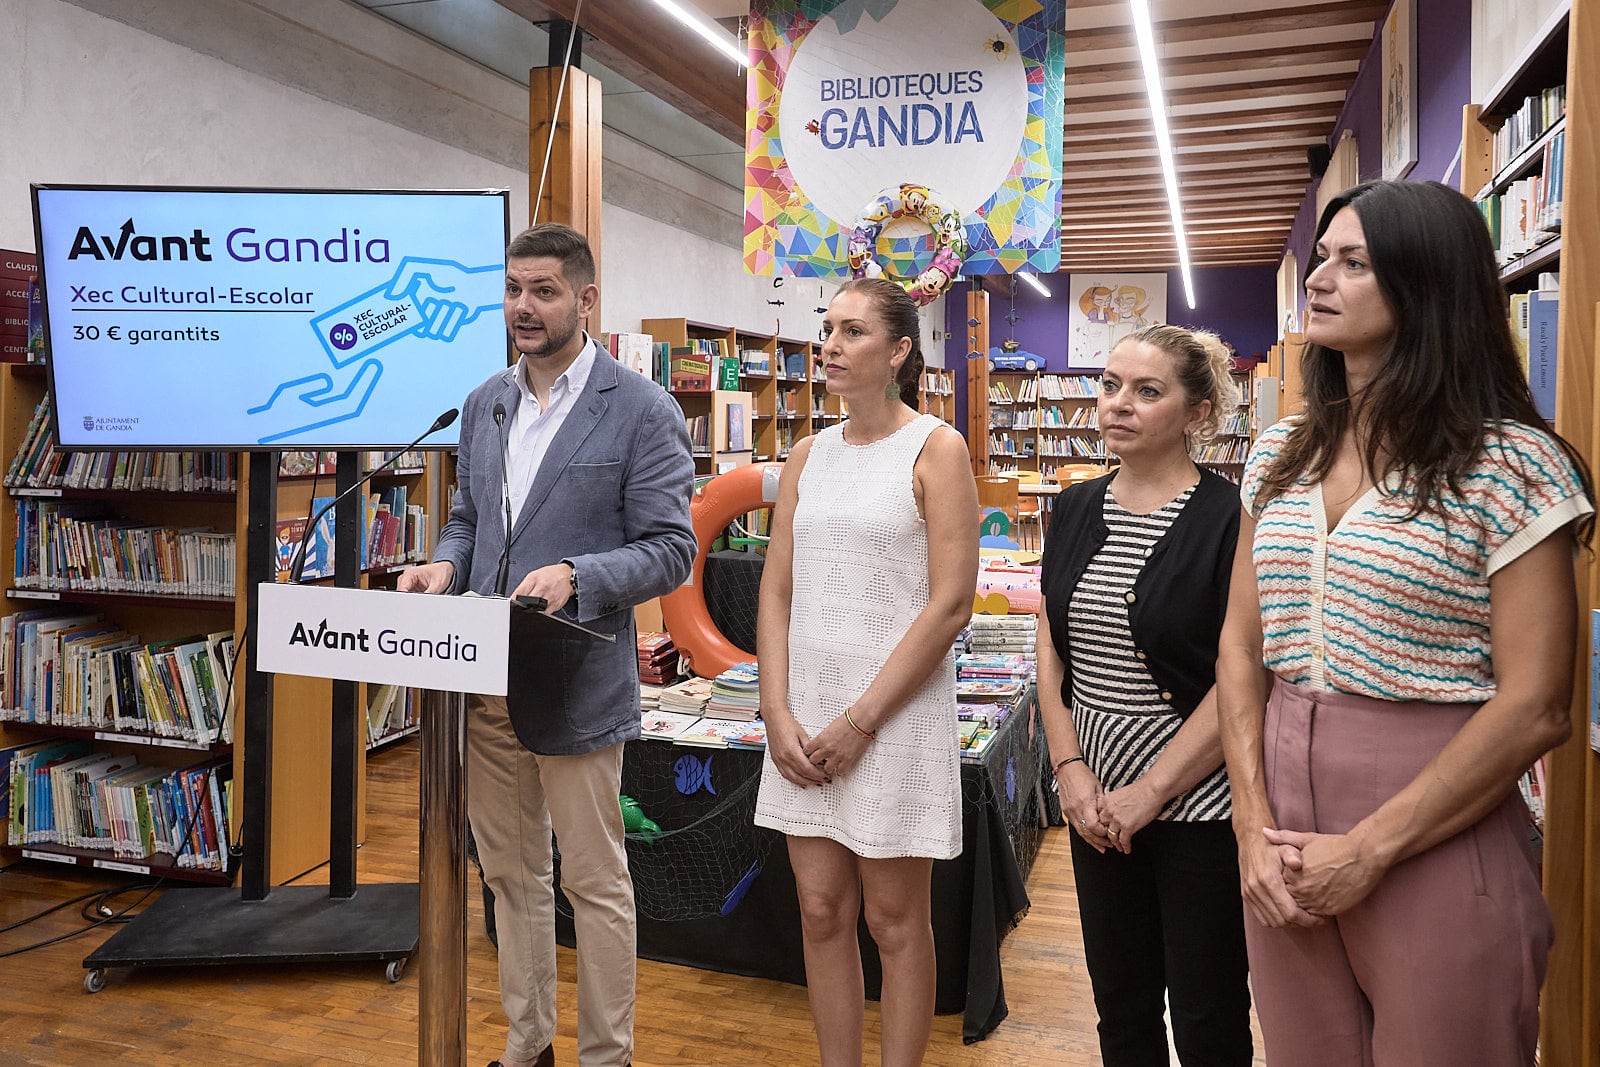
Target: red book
<point>14,264</point>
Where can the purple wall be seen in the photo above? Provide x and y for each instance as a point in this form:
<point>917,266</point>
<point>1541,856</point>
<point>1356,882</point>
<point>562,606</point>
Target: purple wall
<point>1444,87</point>
<point>1236,303</point>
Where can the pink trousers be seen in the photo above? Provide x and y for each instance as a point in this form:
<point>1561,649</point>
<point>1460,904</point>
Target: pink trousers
<point>1442,963</point>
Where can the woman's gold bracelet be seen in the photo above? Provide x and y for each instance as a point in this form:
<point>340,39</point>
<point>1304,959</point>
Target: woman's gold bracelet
<point>872,736</point>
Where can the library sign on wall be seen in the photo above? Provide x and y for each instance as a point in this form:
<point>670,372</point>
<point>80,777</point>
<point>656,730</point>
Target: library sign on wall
<point>919,139</point>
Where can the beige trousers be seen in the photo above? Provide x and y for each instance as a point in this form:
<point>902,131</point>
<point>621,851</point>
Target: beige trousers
<point>515,799</point>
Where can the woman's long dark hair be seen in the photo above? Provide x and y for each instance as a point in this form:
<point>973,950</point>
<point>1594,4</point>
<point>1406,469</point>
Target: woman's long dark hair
<point>1452,367</point>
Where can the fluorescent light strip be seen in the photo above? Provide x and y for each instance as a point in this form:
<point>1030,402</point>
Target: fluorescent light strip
<point>1158,119</point>
<point>713,33</point>
<point>1036,283</point>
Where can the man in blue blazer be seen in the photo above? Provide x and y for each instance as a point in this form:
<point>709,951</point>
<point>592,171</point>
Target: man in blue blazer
<point>574,483</point>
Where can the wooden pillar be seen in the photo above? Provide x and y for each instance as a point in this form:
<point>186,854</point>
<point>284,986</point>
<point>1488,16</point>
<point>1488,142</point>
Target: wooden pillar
<point>1568,1033</point>
<point>572,183</point>
<point>977,325</point>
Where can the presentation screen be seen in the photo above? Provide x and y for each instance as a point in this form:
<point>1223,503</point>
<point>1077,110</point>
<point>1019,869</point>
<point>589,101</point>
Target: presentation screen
<point>183,318</point>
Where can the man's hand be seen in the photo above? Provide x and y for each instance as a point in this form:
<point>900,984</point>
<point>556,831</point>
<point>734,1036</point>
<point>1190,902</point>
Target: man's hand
<point>554,583</point>
<point>428,578</point>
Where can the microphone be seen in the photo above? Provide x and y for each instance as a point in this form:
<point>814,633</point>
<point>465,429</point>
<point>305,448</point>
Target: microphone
<point>305,538</point>
<point>505,497</point>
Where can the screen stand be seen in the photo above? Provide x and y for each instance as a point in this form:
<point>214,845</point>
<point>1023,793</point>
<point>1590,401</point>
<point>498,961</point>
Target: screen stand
<point>259,923</point>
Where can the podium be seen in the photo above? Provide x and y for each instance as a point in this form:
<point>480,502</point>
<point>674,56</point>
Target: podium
<point>446,646</point>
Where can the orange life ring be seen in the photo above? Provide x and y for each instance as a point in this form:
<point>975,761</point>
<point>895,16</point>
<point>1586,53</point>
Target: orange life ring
<point>683,611</point>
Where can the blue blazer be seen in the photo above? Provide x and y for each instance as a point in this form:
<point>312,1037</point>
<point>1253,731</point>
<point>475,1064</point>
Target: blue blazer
<point>612,497</point>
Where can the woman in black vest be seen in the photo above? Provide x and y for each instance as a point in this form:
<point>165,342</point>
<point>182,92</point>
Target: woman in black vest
<point>1136,571</point>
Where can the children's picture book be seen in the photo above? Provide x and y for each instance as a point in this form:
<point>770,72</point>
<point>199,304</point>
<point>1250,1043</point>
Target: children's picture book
<point>987,689</point>
<point>666,725</point>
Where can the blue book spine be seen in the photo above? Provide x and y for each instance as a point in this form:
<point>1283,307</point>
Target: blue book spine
<point>1543,308</point>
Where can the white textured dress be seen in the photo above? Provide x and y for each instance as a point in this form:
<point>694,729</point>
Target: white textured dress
<point>860,579</point>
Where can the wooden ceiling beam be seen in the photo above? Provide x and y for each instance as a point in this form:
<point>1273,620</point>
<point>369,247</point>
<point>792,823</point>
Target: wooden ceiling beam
<point>1155,220</point>
<point>1265,91</point>
<point>1267,156</point>
<point>1301,133</point>
<point>1146,191</point>
<point>1237,62</point>
<point>1252,207</point>
<point>1320,111</point>
<point>1353,13</point>
<point>647,46</point>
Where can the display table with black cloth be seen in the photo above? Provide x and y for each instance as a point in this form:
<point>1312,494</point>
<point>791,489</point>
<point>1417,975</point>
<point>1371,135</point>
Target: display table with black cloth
<point>717,892</point>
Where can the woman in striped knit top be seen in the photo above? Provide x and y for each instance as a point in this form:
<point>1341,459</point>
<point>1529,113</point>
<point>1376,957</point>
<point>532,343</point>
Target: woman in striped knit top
<point>1135,581</point>
<point>1398,650</point>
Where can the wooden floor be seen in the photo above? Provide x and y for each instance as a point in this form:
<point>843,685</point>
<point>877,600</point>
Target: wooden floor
<point>341,1014</point>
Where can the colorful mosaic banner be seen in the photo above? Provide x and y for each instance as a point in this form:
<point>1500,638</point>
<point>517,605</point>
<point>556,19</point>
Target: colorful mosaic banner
<point>919,139</point>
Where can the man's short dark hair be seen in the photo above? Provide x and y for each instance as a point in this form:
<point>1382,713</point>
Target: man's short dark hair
<point>554,240</point>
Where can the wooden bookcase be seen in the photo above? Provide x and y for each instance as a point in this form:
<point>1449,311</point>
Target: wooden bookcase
<point>781,407</point>
<point>1566,46</point>
<point>302,736</point>
<point>937,394</point>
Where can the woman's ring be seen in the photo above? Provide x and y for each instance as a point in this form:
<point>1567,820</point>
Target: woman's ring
<point>1113,833</point>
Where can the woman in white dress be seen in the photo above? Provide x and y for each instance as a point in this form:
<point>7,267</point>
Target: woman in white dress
<point>868,579</point>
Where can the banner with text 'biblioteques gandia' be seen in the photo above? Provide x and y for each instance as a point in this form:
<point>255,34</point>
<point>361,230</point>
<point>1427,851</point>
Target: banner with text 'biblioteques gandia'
<point>918,139</point>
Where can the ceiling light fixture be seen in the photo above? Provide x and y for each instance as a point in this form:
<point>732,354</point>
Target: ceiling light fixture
<point>1158,119</point>
<point>1034,281</point>
<point>728,46</point>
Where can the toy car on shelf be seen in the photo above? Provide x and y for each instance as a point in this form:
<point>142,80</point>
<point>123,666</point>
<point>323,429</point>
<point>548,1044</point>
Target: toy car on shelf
<point>1014,359</point>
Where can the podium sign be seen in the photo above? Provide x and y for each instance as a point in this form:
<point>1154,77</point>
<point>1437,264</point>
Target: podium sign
<point>449,643</point>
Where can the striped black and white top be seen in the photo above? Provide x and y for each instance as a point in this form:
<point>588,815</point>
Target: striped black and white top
<point>1122,721</point>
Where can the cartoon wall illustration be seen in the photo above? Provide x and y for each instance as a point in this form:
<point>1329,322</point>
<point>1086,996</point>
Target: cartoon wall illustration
<point>1105,308</point>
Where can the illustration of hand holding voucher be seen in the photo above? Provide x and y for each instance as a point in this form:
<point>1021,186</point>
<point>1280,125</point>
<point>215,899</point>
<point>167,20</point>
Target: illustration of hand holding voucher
<point>424,298</point>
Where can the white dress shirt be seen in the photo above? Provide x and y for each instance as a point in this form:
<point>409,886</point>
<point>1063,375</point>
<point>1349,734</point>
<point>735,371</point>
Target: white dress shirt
<point>533,427</point>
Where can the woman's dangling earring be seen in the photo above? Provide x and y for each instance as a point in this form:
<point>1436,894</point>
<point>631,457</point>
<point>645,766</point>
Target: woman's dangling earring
<point>892,390</point>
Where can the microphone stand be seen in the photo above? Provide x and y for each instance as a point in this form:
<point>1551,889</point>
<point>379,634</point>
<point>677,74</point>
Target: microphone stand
<point>505,498</point>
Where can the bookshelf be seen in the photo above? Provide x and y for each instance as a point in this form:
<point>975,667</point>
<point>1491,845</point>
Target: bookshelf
<point>1561,48</point>
<point>781,401</point>
<point>141,616</point>
<point>1049,423</point>
<point>300,783</point>
<point>937,394</point>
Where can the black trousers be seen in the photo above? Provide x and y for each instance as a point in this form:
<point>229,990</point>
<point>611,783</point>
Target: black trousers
<point>1166,922</point>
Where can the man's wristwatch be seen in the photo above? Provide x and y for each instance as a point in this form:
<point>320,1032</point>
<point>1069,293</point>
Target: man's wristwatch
<point>574,568</point>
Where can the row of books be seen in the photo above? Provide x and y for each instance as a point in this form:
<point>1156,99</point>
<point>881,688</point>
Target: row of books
<point>658,658</point>
<point>1001,634</point>
<point>686,728</point>
<point>1526,215</point>
<point>1534,319</point>
<point>38,464</point>
<point>66,667</point>
<point>390,710</point>
<point>393,531</point>
<point>302,464</point>
<point>74,546</point>
<point>1004,444</point>
<point>1032,389</point>
<point>1078,417</point>
<point>1535,115</point>
<point>62,793</point>
<point>639,352</point>
<point>1081,447</point>
<point>1224,451</point>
